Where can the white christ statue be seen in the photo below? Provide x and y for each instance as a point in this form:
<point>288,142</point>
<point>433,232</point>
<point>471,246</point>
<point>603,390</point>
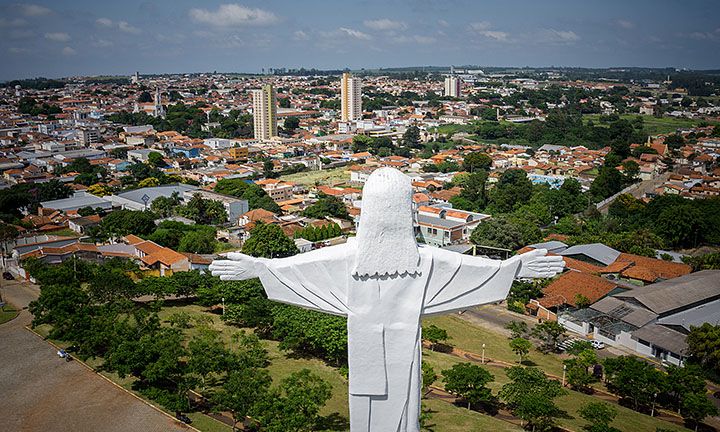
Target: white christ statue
<point>384,282</point>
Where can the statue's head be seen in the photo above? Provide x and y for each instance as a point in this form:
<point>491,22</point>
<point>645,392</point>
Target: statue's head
<point>386,236</point>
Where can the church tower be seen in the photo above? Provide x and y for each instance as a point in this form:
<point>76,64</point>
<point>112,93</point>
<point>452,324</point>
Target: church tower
<point>158,109</point>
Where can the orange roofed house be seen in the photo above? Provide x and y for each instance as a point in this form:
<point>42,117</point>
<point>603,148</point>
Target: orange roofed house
<point>155,257</point>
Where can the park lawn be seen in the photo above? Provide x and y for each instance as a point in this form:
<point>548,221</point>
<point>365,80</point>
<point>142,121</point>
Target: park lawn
<point>282,363</point>
<point>450,418</point>
<point>470,337</point>
<point>653,125</point>
<point>207,424</point>
<point>328,177</point>
<point>7,313</point>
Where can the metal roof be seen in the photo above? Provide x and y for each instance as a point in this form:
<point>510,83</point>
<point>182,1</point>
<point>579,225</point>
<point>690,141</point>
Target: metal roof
<point>79,200</point>
<point>554,246</point>
<point>697,316</point>
<point>155,192</point>
<point>684,292</point>
<point>597,251</point>
<point>662,337</point>
<point>624,311</point>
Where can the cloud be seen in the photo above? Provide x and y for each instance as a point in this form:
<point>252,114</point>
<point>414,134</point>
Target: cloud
<point>355,34</point>
<point>483,28</point>
<point>300,35</point>
<point>104,22</point>
<point>385,24</point>
<point>17,22</point>
<point>124,26</point>
<point>559,36</point>
<point>233,15</point>
<point>479,26</point>
<point>710,35</point>
<point>495,35</point>
<point>33,10</point>
<point>68,51</point>
<point>18,50</point>
<point>101,43</point>
<point>627,25</point>
<point>57,37</point>
<point>443,23</point>
<point>418,39</point>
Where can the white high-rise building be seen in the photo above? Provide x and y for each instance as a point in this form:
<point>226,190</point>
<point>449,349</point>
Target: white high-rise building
<point>265,112</point>
<point>351,98</point>
<point>452,86</point>
<point>158,108</point>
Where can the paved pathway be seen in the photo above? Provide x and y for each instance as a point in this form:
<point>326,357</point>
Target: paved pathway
<point>40,392</point>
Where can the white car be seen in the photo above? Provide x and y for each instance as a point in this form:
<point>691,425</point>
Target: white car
<point>598,344</point>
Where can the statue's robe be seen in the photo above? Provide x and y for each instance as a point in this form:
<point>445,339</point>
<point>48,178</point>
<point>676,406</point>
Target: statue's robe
<point>384,341</point>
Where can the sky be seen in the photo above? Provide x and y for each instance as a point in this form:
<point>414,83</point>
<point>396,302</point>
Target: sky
<point>62,38</point>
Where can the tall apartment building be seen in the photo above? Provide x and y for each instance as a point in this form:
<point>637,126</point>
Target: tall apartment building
<point>265,112</point>
<point>452,86</point>
<point>351,97</point>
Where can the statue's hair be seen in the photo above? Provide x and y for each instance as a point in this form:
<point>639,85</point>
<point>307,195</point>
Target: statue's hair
<point>386,244</point>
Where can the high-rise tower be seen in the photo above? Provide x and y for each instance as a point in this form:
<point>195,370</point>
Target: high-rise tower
<point>265,112</point>
<point>452,86</point>
<point>351,97</point>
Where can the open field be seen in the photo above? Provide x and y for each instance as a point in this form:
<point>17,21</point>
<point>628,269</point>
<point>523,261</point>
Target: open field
<point>328,177</point>
<point>653,125</point>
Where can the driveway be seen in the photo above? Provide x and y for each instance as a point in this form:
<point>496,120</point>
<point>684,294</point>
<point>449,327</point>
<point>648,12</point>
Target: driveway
<point>41,392</point>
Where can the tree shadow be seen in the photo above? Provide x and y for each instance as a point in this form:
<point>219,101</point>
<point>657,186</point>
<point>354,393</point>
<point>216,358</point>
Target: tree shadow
<point>530,363</point>
<point>332,422</point>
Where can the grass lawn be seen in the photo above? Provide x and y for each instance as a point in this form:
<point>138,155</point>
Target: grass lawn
<point>450,418</point>
<point>470,337</point>
<point>653,125</point>
<point>7,313</point>
<point>207,423</point>
<point>328,177</point>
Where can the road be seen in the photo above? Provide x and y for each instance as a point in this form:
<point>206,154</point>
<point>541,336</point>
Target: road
<point>43,393</point>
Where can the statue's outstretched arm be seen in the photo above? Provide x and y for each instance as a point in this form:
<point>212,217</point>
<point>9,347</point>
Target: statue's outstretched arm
<point>238,266</point>
<point>537,264</point>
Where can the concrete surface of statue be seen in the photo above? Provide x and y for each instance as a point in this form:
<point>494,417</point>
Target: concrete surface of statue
<point>384,282</point>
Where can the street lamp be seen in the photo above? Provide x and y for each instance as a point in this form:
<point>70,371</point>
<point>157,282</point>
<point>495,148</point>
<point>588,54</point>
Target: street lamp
<point>483,353</point>
<point>564,369</point>
<point>223,305</point>
<point>652,412</point>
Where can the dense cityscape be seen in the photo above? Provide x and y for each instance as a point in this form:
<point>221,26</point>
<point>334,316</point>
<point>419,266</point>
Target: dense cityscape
<point>118,191</point>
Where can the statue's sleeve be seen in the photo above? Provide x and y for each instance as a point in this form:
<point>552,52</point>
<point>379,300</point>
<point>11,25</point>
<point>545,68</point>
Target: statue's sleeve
<point>460,281</point>
<point>315,280</point>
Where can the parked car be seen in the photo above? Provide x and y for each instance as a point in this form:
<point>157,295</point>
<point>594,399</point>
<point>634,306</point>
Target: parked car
<point>597,344</point>
<point>8,276</point>
<point>183,418</point>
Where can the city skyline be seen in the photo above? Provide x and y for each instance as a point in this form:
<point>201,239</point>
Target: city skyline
<point>65,38</point>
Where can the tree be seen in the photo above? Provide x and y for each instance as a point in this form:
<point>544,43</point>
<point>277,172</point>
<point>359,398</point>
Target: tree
<point>469,382</point>
<point>148,182</point>
<point>295,405</point>
<point>530,394</point>
<point>411,137</point>
<point>505,232</point>
<point>477,161</point>
<point>521,347</point>
<point>428,376</point>
<point>291,123</point>
<point>513,188</point>
<point>696,406</point>
<point>579,369</point>
<point>704,345</point>
<point>436,335</point>
<point>241,391</point>
<point>254,194</point>
<point>327,205</point>
<point>683,381</point>
<point>634,380</point>
<point>156,159</point>
<point>600,415</point>
<point>269,241</point>
<point>123,222</point>
<point>198,242</point>
<point>608,182</point>
<point>100,190</point>
<point>518,329</point>
<point>207,355</point>
<point>145,97</point>
<point>550,333</point>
